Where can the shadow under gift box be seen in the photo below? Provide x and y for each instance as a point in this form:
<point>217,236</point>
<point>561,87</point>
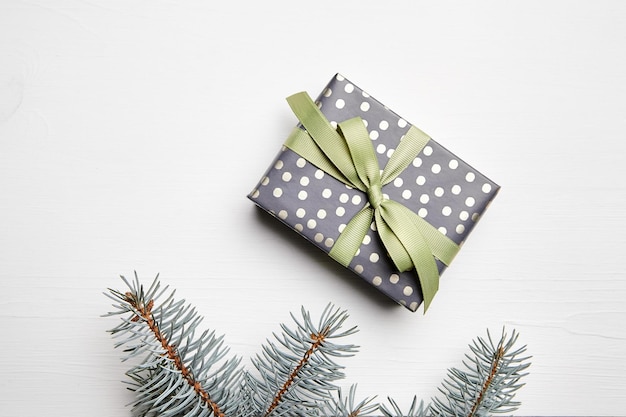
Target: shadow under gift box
<point>438,186</point>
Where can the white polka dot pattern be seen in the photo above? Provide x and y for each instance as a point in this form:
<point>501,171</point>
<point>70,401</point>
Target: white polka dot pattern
<point>438,186</point>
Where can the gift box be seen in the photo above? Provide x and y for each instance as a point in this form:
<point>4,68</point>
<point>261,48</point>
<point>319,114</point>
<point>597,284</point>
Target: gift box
<point>373,191</point>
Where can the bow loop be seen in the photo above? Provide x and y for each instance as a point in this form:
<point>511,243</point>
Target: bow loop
<point>347,154</point>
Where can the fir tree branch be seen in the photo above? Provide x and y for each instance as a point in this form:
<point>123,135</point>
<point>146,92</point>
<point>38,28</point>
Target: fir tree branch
<point>295,376</point>
<point>489,382</point>
<point>144,312</point>
<point>417,409</point>
<point>346,406</point>
<point>316,341</point>
<point>180,369</point>
<point>494,370</point>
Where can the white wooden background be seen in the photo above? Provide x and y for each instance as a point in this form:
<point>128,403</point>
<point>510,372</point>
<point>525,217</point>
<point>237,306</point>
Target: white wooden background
<point>131,132</point>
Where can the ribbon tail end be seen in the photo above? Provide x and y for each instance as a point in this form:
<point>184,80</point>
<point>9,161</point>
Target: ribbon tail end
<point>427,304</point>
<point>428,293</point>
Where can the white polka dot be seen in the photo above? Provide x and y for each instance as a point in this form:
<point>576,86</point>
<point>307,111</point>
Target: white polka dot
<point>340,77</point>
<point>486,188</point>
<point>311,224</point>
<point>427,150</point>
<point>365,106</point>
<point>365,123</point>
<point>446,211</point>
<point>383,125</point>
<point>439,191</point>
<point>277,192</point>
<point>377,280</point>
<point>344,198</point>
<point>460,228</point>
<point>328,92</point>
<point>456,189</point>
<point>265,181</point>
<point>394,278</point>
<point>301,162</point>
<point>374,257</point>
<point>422,212</point>
<point>318,104</point>
<point>398,182</point>
<point>365,94</point>
<point>319,174</point>
<point>304,181</point>
<point>464,215</point>
<point>341,227</point>
<point>358,252</point>
<point>436,168</point>
<point>300,213</point>
<point>298,227</point>
<point>406,194</point>
<point>367,239</point>
<point>358,269</point>
<point>321,214</point>
<point>424,198</point>
<point>340,103</point>
<point>390,152</point>
<point>443,230</point>
<point>413,306</point>
<point>407,291</point>
<point>373,226</point>
<point>401,123</point>
<point>420,180</point>
<point>329,242</point>
<point>453,164</point>
<point>469,201</point>
<point>348,88</point>
<point>417,162</point>
<point>470,177</point>
<point>287,176</point>
<point>356,200</point>
<point>374,135</point>
<point>302,195</point>
<point>318,237</point>
<point>279,164</point>
<point>381,148</point>
<point>385,196</point>
<point>255,194</point>
<point>340,211</point>
<point>327,193</point>
<point>333,124</point>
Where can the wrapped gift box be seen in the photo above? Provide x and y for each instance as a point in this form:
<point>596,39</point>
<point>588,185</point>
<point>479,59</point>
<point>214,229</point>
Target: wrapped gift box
<point>438,186</point>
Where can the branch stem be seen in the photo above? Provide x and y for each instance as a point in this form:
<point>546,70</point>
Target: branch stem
<point>144,311</point>
<point>494,369</point>
<point>316,342</point>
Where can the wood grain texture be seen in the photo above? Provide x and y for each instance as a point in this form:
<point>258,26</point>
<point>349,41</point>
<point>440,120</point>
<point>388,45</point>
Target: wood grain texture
<point>130,135</point>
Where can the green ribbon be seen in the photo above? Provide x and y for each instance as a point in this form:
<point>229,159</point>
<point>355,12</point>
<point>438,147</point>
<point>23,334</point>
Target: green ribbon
<point>348,155</point>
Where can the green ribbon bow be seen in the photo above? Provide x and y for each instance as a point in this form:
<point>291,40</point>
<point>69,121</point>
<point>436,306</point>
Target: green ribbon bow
<point>348,155</point>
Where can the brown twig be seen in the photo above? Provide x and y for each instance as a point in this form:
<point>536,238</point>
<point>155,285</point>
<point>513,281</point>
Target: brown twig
<point>145,313</point>
<point>494,369</point>
<point>317,340</point>
<point>355,413</point>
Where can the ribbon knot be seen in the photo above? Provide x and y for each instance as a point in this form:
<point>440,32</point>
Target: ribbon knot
<point>375,195</point>
<point>347,154</point>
